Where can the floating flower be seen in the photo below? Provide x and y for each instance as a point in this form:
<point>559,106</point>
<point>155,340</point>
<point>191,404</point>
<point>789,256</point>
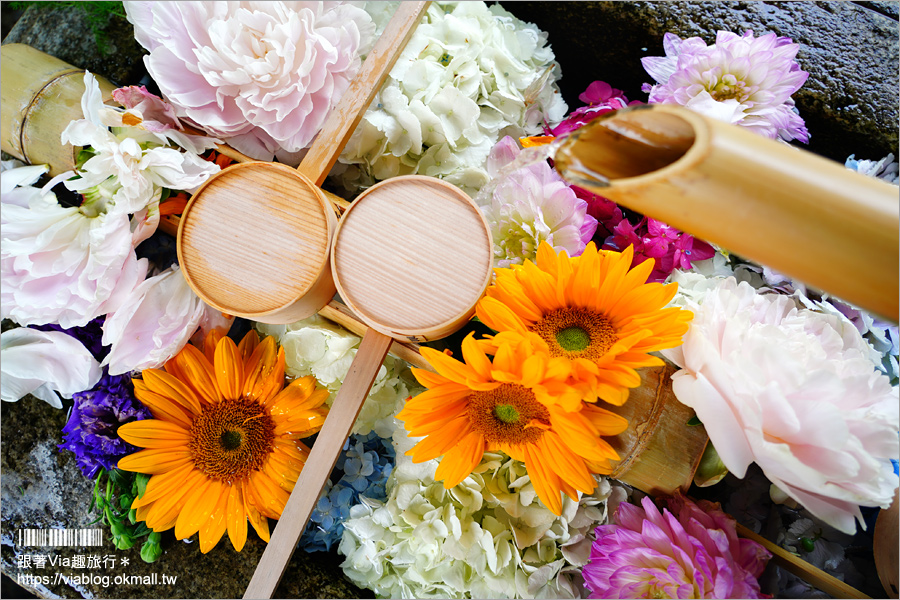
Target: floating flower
<point>600,98</point>
<point>222,447</point>
<point>318,347</point>
<point>155,321</point>
<point>590,310</point>
<point>886,168</point>
<point>511,404</point>
<point>741,79</point>
<point>691,552</point>
<point>362,470</point>
<point>469,75</point>
<point>487,537</point>
<point>128,166</point>
<point>61,265</point>
<point>796,392</point>
<point>91,432</point>
<point>532,204</point>
<point>265,75</point>
<point>42,363</point>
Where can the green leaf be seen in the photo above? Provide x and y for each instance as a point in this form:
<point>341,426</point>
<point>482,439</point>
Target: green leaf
<point>694,421</point>
<point>141,479</point>
<point>711,469</point>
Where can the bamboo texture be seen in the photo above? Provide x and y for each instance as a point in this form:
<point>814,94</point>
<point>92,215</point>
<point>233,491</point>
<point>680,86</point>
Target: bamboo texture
<point>802,569</point>
<point>885,548</point>
<point>40,95</point>
<point>783,207</point>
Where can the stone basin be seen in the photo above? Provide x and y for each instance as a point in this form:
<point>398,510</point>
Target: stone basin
<point>850,104</point>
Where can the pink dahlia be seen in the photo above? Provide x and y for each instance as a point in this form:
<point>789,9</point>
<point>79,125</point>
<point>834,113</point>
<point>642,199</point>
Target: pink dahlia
<point>691,552</point>
<point>744,80</point>
<point>264,75</point>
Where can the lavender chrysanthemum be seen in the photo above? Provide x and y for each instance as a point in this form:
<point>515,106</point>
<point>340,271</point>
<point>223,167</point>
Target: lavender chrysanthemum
<point>744,80</point>
<point>691,552</point>
<point>91,432</point>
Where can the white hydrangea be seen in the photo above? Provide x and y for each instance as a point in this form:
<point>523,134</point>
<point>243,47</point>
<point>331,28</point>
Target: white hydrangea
<point>488,537</point>
<point>318,347</point>
<point>470,75</point>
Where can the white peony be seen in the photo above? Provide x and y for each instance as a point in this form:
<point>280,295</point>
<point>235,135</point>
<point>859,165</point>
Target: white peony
<point>794,391</point>
<point>470,75</point>
<point>57,264</point>
<point>42,363</point>
<point>155,322</point>
<point>318,347</point>
<point>264,75</point>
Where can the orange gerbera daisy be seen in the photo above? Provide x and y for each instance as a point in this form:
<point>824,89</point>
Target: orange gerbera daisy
<point>591,310</point>
<point>222,447</point>
<point>509,404</point>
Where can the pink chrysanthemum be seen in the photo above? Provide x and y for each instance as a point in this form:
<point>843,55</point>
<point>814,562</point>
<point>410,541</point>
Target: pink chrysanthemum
<point>743,80</point>
<point>691,552</point>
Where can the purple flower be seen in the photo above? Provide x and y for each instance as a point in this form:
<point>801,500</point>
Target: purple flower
<point>92,430</point>
<point>742,80</point>
<point>691,552</point>
<point>89,335</point>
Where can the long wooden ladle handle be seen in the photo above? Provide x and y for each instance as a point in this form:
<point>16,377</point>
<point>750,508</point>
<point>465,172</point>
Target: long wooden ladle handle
<point>321,461</point>
<point>344,118</point>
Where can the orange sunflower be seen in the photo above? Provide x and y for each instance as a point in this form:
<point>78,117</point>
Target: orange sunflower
<point>509,404</point>
<point>592,310</point>
<point>222,447</point>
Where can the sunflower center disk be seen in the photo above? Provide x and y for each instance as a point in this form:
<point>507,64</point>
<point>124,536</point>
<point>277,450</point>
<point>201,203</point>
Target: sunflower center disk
<point>231,439</point>
<point>502,414</point>
<point>576,333</point>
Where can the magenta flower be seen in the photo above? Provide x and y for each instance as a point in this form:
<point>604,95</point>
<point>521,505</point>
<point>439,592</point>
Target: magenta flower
<point>600,98</point>
<point>687,249</point>
<point>743,80</point>
<point>691,552</point>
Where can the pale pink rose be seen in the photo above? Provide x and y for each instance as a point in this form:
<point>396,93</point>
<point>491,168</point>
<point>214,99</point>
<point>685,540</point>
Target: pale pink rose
<point>264,75</point>
<point>794,391</point>
<point>155,322</point>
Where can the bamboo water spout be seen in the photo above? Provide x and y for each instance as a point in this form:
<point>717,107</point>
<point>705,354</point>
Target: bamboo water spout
<point>786,208</point>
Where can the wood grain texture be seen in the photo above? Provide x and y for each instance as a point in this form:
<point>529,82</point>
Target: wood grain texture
<point>322,457</point>
<point>255,259</point>
<point>802,569</point>
<point>885,548</point>
<point>344,118</point>
<point>412,256</point>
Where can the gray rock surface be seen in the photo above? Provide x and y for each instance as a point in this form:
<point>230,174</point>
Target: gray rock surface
<point>850,102</point>
<point>65,32</point>
<point>43,488</point>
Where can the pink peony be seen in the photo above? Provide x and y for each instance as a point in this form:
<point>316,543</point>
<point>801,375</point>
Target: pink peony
<point>530,203</point>
<point>691,552</point>
<point>743,80</point>
<point>794,391</point>
<point>263,74</point>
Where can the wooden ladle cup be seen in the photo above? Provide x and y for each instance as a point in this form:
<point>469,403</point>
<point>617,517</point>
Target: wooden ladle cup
<point>411,256</point>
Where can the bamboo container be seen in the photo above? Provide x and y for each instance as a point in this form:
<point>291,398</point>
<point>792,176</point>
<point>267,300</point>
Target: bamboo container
<point>39,97</point>
<point>786,208</point>
<point>659,452</point>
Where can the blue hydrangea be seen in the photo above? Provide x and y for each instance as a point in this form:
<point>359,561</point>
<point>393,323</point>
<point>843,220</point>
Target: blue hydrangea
<point>362,469</point>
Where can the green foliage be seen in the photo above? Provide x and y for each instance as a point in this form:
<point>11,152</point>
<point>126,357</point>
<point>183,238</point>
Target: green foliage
<point>113,501</point>
<point>96,14</point>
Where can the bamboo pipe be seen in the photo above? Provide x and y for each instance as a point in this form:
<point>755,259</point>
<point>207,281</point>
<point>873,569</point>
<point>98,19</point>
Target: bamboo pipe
<point>799,213</point>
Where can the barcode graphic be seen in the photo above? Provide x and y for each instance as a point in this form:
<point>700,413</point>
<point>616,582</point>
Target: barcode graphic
<point>60,537</point>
